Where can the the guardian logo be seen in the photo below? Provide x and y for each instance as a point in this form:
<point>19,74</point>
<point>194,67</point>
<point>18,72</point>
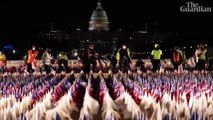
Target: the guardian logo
<point>194,7</point>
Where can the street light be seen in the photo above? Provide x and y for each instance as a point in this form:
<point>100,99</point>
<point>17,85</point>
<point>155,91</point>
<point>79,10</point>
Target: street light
<point>14,51</point>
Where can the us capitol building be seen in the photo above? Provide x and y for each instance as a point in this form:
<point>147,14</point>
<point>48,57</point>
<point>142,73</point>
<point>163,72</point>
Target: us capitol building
<point>104,39</point>
<point>98,32</point>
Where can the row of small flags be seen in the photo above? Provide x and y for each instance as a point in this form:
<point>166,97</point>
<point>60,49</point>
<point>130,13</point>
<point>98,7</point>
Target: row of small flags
<point>175,85</point>
<point>157,86</point>
<point>38,87</point>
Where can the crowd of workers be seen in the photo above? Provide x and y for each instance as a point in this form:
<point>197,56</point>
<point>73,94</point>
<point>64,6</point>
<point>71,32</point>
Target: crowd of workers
<point>118,60</point>
<point>178,58</point>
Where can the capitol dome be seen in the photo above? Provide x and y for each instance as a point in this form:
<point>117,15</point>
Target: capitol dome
<point>99,20</point>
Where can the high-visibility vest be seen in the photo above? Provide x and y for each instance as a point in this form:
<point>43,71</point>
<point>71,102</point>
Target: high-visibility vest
<point>32,55</point>
<point>118,56</point>
<point>2,57</point>
<point>177,56</point>
<point>62,56</point>
<point>156,54</point>
<point>203,55</point>
<point>184,56</point>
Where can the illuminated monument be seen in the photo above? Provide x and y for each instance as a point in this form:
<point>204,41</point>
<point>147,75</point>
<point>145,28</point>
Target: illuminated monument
<point>99,20</point>
<point>98,30</point>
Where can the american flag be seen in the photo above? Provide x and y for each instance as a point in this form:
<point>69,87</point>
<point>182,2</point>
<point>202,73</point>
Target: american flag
<point>73,89</point>
<point>102,90</point>
<point>157,94</point>
<point>115,82</point>
<point>137,93</point>
<point>145,87</point>
<point>118,90</point>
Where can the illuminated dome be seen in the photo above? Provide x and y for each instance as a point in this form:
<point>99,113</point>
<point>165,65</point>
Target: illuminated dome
<point>99,19</point>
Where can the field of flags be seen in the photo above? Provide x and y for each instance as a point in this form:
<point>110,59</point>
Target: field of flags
<point>106,95</point>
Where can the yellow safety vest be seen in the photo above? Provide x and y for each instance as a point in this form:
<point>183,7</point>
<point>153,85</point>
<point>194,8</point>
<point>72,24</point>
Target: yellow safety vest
<point>156,54</point>
<point>62,56</point>
<point>2,57</point>
<point>118,57</point>
<point>203,55</point>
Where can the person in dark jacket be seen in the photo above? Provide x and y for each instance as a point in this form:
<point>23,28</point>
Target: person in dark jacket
<point>88,59</point>
<point>123,57</point>
<point>201,57</point>
<point>113,62</point>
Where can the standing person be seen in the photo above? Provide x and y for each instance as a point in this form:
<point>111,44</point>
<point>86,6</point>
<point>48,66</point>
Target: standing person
<point>46,60</point>
<point>201,54</point>
<point>177,58</point>
<point>63,61</point>
<point>88,59</point>
<point>156,55</point>
<point>185,64</point>
<point>183,49</point>
<point>32,59</point>
<point>123,57</point>
<point>113,62</point>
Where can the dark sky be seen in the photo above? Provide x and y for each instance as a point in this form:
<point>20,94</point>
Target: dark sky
<point>22,21</point>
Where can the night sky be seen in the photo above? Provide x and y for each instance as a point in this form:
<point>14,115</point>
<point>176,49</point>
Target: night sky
<point>22,21</point>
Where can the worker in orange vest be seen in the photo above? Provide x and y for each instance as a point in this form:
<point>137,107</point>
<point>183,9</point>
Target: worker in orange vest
<point>177,58</point>
<point>31,59</point>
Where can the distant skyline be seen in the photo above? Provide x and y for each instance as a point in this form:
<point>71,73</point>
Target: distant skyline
<point>22,21</point>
